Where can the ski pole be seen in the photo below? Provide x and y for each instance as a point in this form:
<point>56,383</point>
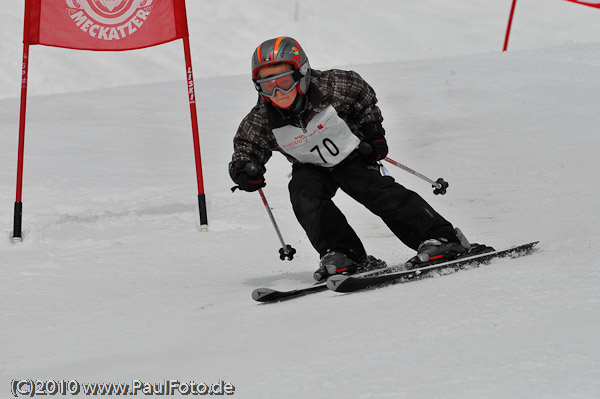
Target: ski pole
<point>286,251</point>
<point>440,185</point>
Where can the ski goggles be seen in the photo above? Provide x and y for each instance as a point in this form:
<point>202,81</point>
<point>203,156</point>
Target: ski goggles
<point>284,82</point>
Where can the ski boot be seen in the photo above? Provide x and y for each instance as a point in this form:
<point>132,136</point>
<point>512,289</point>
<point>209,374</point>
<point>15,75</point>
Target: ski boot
<point>335,262</point>
<point>438,250</point>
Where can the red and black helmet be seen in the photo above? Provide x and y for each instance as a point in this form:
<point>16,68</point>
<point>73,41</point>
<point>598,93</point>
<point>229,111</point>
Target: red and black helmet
<point>282,50</point>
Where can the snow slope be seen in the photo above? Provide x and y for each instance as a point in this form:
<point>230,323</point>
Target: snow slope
<point>114,281</point>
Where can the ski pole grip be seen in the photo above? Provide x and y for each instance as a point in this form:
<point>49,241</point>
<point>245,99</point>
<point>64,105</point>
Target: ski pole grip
<point>251,169</point>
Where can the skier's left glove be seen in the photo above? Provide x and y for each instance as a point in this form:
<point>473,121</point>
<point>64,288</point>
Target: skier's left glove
<point>379,149</point>
<point>374,146</point>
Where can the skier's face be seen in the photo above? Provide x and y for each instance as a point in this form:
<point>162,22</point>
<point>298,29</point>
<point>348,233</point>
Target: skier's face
<point>282,100</point>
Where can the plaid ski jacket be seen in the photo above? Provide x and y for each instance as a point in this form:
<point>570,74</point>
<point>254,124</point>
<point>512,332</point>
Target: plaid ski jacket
<point>352,97</point>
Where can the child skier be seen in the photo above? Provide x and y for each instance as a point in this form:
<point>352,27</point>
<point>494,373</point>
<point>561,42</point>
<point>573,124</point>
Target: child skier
<point>318,120</point>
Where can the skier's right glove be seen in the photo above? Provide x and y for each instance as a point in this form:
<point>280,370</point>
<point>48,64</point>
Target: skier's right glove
<point>248,176</point>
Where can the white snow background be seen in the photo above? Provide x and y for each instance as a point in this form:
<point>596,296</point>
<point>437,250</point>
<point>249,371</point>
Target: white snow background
<point>114,280</point>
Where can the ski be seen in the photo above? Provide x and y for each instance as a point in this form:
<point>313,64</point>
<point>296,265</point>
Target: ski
<point>349,283</point>
<point>391,275</point>
<point>271,295</point>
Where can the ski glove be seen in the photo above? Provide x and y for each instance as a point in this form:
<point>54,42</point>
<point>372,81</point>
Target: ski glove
<point>249,177</point>
<point>379,149</point>
<point>374,146</point>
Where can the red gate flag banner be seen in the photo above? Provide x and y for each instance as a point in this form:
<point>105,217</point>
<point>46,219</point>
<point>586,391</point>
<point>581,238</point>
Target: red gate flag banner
<point>105,25</point>
<point>590,3</point>
<point>112,25</point>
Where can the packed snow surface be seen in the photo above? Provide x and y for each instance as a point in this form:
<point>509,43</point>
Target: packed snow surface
<point>115,282</point>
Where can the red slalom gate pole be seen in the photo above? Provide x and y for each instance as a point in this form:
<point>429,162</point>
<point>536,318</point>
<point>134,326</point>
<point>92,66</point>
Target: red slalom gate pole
<point>194,116</point>
<point>18,217</point>
<point>510,18</point>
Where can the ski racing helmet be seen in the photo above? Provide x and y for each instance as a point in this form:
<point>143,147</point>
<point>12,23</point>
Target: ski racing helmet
<point>286,50</point>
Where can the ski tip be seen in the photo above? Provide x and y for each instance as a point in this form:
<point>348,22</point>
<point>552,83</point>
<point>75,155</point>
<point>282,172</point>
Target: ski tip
<point>526,247</point>
<point>335,282</point>
<point>260,294</point>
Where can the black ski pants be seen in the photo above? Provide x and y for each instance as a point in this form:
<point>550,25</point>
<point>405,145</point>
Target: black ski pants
<point>405,212</point>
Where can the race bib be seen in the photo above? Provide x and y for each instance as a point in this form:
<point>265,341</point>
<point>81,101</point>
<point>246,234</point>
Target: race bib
<point>326,141</point>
